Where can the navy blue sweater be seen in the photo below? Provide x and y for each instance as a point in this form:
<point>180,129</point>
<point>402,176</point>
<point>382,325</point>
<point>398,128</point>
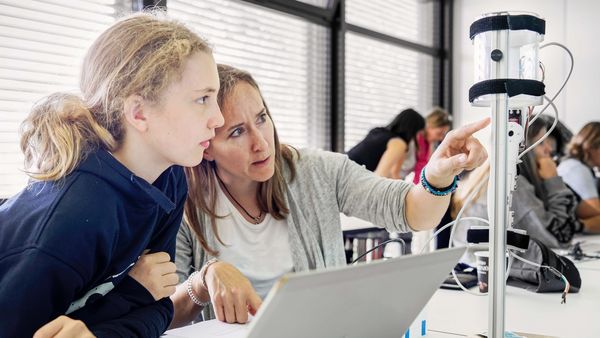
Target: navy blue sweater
<point>60,239</point>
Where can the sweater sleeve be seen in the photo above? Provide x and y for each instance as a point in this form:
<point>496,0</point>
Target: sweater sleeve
<point>552,223</point>
<point>363,194</point>
<point>184,252</point>
<point>34,287</point>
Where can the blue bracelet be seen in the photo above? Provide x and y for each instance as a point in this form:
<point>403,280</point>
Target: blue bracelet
<point>435,191</point>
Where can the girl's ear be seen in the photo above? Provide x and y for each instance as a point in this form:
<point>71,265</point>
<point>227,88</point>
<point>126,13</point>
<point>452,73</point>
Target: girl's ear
<point>133,110</point>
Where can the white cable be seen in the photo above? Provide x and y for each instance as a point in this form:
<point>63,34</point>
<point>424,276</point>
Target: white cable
<point>568,75</point>
<point>551,269</point>
<point>551,101</point>
<point>546,134</point>
<point>435,234</point>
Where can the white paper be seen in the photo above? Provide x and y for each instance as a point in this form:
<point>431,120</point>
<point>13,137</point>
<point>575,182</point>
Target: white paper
<point>209,328</point>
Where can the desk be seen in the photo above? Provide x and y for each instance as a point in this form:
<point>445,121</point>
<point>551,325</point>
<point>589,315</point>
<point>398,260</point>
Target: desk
<point>538,313</point>
<point>455,313</point>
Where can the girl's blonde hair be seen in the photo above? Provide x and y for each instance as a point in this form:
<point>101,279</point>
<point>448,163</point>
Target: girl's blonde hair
<point>586,140</point>
<point>140,54</point>
<point>438,117</point>
<point>202,181</point>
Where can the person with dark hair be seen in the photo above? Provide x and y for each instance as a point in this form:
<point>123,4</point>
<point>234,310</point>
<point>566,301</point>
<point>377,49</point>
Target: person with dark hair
<point>542,204</point>
<point>558,138</point>
<point>390,151</point>
<point>577,170</point>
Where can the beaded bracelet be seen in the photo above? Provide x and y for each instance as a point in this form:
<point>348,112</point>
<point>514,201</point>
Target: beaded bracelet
<point>191,293</point>
<point>435,191</point>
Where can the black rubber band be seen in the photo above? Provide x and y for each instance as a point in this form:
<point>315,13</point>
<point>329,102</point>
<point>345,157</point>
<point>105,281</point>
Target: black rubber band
<point>504,22</point>
<point>513,239</point>
<point>512,87</point>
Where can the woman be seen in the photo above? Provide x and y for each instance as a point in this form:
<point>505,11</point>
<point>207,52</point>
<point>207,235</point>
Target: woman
<point>542,204</point>
<point>437,125</point>
<point>577,170</point>
<point>265,209</point>
<point>107,185</point>
<point>390,151</point>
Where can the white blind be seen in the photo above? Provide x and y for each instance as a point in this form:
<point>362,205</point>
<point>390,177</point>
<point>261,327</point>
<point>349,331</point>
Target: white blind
<point>42,44</point>
<point>381,80</point>
<point>286,55</point>
<point>411,20</point>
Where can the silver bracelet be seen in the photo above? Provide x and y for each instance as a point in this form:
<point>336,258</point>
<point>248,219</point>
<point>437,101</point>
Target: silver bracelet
<point>191,293</point>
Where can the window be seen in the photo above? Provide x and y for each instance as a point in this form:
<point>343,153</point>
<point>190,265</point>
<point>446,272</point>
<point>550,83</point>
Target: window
<point>411,20</point>
<point>381,80</point>
<point>392,62</point>
<point>286,55</point>
<point>42,44</point>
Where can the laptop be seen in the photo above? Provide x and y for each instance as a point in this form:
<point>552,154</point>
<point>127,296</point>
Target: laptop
<point>378,299</point>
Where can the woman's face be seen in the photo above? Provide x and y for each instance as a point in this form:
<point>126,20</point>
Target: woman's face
<point>436,134</point>
<point>543,149</point>
<point>244,148</point>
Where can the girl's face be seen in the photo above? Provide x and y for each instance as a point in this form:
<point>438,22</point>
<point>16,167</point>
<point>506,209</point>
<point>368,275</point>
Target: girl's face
<point>183,123</point>
<point>543,149</point>
<point>436,134</point>
<point>244,148</point>
<point>595,157</point>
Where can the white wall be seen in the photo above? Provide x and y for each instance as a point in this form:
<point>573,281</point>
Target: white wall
<point>574,23</point>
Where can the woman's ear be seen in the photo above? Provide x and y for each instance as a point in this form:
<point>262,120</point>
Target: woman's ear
<point>135,115</point>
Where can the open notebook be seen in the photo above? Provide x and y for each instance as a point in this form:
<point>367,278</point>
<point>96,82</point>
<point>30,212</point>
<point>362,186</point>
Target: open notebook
<point>379,299</point>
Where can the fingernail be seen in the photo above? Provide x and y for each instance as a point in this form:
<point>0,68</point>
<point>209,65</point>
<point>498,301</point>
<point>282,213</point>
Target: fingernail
<point>462,158</point>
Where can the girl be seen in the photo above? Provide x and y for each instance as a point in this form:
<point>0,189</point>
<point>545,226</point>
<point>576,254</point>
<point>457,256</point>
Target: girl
<point>106,183</point>
<point>578,172</point>
<point>542,204</point>
<point>265,209</point>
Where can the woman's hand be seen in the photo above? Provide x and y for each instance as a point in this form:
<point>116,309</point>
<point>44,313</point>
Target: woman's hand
<point>156,273</point>
<point>458,151</point>
<point>231,293</point>
<point>546,167</point>
<point>64,327</point>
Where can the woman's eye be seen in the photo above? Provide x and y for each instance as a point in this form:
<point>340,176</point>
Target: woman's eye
<point>262,118</point>
<point>236,132</point>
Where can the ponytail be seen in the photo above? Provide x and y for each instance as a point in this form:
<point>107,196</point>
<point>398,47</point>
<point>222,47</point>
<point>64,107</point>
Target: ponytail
<point>58,134</point>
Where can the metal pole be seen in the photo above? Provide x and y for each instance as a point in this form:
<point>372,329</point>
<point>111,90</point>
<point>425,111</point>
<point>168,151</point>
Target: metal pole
<point>499,203</point>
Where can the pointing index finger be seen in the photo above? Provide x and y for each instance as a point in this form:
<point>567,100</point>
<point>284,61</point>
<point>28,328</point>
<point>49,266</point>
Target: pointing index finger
<point>471,128</point>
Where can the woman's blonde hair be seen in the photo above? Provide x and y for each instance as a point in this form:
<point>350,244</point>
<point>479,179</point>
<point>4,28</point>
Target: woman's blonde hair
<point>438,117</point>
<point>586,140</point>
<point>140,54</point>
<point>202,181</point>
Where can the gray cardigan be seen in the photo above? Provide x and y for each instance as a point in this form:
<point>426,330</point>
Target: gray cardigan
<point>326,184</point>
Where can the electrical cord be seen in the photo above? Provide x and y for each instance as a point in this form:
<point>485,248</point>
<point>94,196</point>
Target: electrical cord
<point>399,240</point>
<point>550,101</point>
<point>551,269</point>
<point>481,184</point>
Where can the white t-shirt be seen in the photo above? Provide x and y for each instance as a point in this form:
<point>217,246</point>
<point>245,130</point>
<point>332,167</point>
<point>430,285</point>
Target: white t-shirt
<point>579,177</point>
<point>260,251</point>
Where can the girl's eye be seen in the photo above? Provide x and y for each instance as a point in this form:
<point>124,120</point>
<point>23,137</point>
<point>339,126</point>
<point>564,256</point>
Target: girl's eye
<point>202,100</point>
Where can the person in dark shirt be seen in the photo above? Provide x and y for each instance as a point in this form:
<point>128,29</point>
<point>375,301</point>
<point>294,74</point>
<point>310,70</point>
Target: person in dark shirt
<point>107,187</point>
<point>395,142</point>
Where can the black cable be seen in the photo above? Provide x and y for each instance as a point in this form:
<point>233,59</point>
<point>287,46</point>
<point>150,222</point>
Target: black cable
<point>399,240</point>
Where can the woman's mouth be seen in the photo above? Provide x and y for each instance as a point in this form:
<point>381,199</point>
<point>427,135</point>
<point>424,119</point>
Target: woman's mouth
<point>263,162</point>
